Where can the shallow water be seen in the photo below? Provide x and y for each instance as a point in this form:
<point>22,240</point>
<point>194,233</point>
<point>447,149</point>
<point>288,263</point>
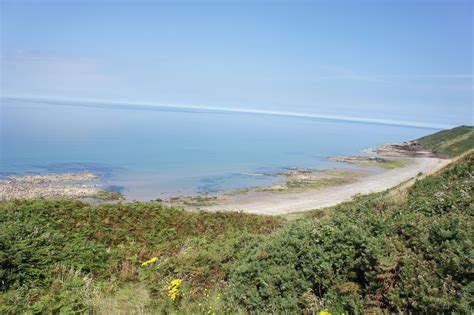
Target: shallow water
<point>150,152</point>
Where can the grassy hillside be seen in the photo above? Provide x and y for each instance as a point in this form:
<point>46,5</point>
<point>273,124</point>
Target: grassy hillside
<point>409,252</point>
<point>450,143</point>
<point>69,256</point>
<point>403,250</point>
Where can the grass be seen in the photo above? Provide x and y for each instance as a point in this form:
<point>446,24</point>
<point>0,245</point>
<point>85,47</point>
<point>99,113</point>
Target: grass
<point>341,172</point>
<point>380,253</point>
<point>109,195</point>
<point>195,201</point>
<point>108,243</point>
<point>305,181</point>
<point>387,164</point>
<point>200,203</point>
<point>450,143</point>
<point>241,191</point>
<point>295,185</point>
<point>120,300</point>
<point>373,162</point>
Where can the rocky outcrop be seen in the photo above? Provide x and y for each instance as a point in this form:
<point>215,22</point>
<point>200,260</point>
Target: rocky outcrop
<point>406,149</point>
<point>65,177</point>
<point>49,186</point>
<point>357,159</point>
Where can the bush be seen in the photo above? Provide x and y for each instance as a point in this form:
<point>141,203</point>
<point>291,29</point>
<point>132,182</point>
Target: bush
<point>108,243</point>
<point>371,254</point>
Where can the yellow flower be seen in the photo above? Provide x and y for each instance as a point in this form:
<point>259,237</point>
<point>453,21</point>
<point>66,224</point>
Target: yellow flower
<point>173,289</point>
<point>150,261</point>
<point>176,283</point>
<point>324,313</point>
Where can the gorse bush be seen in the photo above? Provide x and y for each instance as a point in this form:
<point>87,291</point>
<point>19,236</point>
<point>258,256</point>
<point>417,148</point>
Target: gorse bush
<point>40,239</point>
<point>372,253</point>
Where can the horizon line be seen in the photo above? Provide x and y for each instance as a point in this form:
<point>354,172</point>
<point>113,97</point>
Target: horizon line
<point>150,106</point>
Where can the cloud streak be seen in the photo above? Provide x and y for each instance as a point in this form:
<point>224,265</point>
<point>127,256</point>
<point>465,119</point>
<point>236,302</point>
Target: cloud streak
<point>334,72</point>
<point>199,108</point>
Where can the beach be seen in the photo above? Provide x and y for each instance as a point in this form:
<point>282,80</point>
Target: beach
<point>275,204</point>
<point>303,189</point>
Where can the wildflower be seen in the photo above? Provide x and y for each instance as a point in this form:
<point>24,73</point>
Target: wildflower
<point>150,261</point>
<point>324,313</point>
<point>173,289</point>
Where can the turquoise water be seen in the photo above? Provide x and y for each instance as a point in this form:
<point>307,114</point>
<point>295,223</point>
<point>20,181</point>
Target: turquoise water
<point>149,152</point>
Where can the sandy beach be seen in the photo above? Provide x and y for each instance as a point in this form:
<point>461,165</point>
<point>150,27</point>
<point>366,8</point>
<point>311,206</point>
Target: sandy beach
<point>275,204</point>
<point>303,189</point>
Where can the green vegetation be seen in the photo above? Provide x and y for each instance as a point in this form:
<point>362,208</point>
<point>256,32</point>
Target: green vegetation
<point>241,191</point>
<point>450,143</point>
<point>388,164</point>
<point>195,201</point>
<point>64,255</point>
<point>109,195</point>
<point>371,161</point>
<point>298,184</point>
<point>302,180</point>
<point>201,204</point>
<point>410,254</point>
<point>339,172</point>
<point>405,250</point>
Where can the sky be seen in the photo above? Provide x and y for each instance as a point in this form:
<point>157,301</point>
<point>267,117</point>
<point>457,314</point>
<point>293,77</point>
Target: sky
<point>392,60</point>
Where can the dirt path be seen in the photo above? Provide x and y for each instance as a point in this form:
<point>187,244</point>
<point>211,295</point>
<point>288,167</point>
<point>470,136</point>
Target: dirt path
<point>329,196</point>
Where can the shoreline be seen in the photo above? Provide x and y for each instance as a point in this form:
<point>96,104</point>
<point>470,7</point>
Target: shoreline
<point>303,189</point>
<point>277,204</point>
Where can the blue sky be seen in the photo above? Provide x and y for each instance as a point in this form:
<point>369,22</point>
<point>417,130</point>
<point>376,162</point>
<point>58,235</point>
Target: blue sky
<point>396,60</point>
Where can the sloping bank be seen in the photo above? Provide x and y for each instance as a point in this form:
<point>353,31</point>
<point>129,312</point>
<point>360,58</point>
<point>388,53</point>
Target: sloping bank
<point>408,251</point>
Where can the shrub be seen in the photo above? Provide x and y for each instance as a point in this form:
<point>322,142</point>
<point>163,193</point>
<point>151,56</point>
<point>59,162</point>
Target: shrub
<point>371,254</point>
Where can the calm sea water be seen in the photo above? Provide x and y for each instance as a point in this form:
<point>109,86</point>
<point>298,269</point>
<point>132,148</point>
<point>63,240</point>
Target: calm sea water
<point>147,153</point>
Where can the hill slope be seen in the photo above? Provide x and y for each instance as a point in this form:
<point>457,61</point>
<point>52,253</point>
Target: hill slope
<point>449,143</point>
<point>409,253</point>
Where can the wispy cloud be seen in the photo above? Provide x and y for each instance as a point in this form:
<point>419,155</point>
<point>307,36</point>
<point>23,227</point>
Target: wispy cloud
<point>333,72</point>
<point>427,76</point>
<point>53,74</point>
<point>155,106</point>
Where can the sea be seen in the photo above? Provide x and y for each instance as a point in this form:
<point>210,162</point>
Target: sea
<point>150,152</point>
